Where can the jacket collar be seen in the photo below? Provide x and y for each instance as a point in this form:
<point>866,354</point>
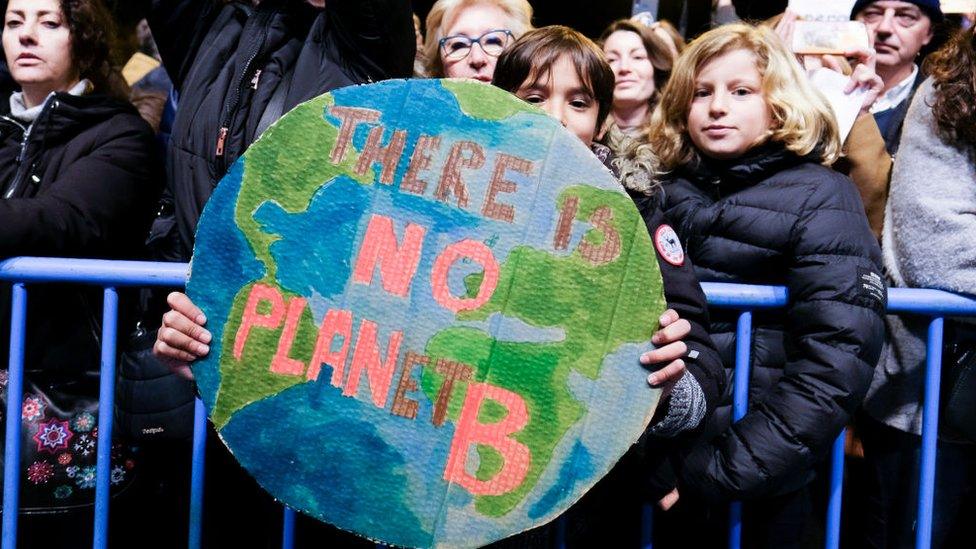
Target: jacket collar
<point>756,165</point>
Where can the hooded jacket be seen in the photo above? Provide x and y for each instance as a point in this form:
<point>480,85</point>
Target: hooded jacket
<point>772,217</point>
<point>81,181</point>
<point>238,68</point>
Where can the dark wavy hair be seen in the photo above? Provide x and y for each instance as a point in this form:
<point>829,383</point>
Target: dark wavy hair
<point>93,43</point>
<point>953,71</point>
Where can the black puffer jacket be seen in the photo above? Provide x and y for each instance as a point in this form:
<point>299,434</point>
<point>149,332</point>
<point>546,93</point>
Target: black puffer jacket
<point>775,218</point>
<point>238,68</point>
<point>83,183</point>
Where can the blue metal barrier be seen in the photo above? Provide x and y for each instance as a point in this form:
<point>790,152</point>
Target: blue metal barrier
<point>113,274</point>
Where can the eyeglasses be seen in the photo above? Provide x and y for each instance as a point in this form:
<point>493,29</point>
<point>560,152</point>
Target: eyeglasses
<point>493,42</point>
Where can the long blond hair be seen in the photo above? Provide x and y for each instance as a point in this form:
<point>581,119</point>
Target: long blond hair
<point>443,12</point>
<point>801,118</point>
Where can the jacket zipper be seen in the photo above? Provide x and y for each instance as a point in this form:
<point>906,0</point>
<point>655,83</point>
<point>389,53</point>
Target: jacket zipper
<point>231,111</point>
<point>22,168</point>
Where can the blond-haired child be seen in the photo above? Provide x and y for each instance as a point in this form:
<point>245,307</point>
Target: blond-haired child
<point>746,142</point>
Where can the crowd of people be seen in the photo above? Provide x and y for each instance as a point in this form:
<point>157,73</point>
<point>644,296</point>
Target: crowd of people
<point>725,138</point>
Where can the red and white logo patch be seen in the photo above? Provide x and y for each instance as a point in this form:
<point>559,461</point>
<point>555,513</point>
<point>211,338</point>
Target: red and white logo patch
<point>667,244</point>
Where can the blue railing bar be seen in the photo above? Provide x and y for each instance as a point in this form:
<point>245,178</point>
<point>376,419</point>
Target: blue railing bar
<point>721,294</point>
<point>147,273</point>
<point>740,403</point>
<point>288,529</point>
<point>836,491</point>
<point>930,434</point>
<point>561,532</point>
<point>647,526</point>
<point>929,302</point>
<point>106,407</point>
<point>15,395</point>
<point>196,474</point>
<point>98,272</point>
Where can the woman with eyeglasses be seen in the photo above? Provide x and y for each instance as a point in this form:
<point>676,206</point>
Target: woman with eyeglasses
<point>465,37</point>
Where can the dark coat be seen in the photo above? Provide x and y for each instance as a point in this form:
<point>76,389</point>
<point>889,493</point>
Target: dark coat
<point>683,293</point>
<point>772,217</point>
<point>83,183</point>
<point>238,69</point>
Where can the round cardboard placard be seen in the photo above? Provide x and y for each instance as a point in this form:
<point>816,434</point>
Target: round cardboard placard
<point>428,301</point>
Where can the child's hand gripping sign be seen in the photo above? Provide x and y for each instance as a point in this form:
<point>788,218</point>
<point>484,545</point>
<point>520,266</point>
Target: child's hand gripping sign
<point>428,300</point>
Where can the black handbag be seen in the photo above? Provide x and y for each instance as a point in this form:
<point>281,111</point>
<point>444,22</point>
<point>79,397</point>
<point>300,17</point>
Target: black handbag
<point>151,402</point>
<point>959,382</point>
<point>58,444</point>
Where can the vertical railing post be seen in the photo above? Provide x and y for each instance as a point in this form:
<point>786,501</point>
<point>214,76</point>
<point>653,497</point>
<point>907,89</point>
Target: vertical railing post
<point>198,464</point>
<point>836,491</point>
<point>560,541</point>
<point>288,528</point>
<point>930,434</point>
<point>740,404</point>
<point>106,410</point>
<point>15,395</point>
<point>647,526</point>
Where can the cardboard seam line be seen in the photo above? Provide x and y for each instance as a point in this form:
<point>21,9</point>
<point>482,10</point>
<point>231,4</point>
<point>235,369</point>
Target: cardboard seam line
<point>502,311</point>
<point>391,124</point>
<point>441,517</point>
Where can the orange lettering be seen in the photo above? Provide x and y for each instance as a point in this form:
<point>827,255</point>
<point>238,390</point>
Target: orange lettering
<point>282,363</point>
<point>477,252</point>
<point>398,263</point>
<point>366,356</point>
<point>260,293</point>
<point>470,431</point>
<point>336,322</point>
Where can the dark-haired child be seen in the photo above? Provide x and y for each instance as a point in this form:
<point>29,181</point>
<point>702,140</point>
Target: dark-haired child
<point>566,74</point>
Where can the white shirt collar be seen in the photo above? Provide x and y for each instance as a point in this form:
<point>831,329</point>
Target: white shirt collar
<point>898,93</point>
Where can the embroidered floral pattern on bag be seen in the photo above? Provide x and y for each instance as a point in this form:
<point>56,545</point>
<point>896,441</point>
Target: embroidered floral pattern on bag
<point>86,478</point>
<point>52,436</point>
<point>40,472</point>
<point>32,409</point>
<point>118,474</point>
<point>67,477</point>
<point>85,445</point>
<point>83,422</point>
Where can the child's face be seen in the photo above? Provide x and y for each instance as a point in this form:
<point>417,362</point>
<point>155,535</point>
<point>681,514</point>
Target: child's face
<point>565,98</point>
<point>728,114</point>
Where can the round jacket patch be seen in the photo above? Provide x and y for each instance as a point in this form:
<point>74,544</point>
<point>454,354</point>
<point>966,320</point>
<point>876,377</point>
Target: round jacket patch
<point>667,244</point>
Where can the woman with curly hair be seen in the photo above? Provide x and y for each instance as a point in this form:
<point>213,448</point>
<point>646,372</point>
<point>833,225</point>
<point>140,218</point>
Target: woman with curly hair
<point>78,178</point>
<point>641,61</point>
<point>927,243</point>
